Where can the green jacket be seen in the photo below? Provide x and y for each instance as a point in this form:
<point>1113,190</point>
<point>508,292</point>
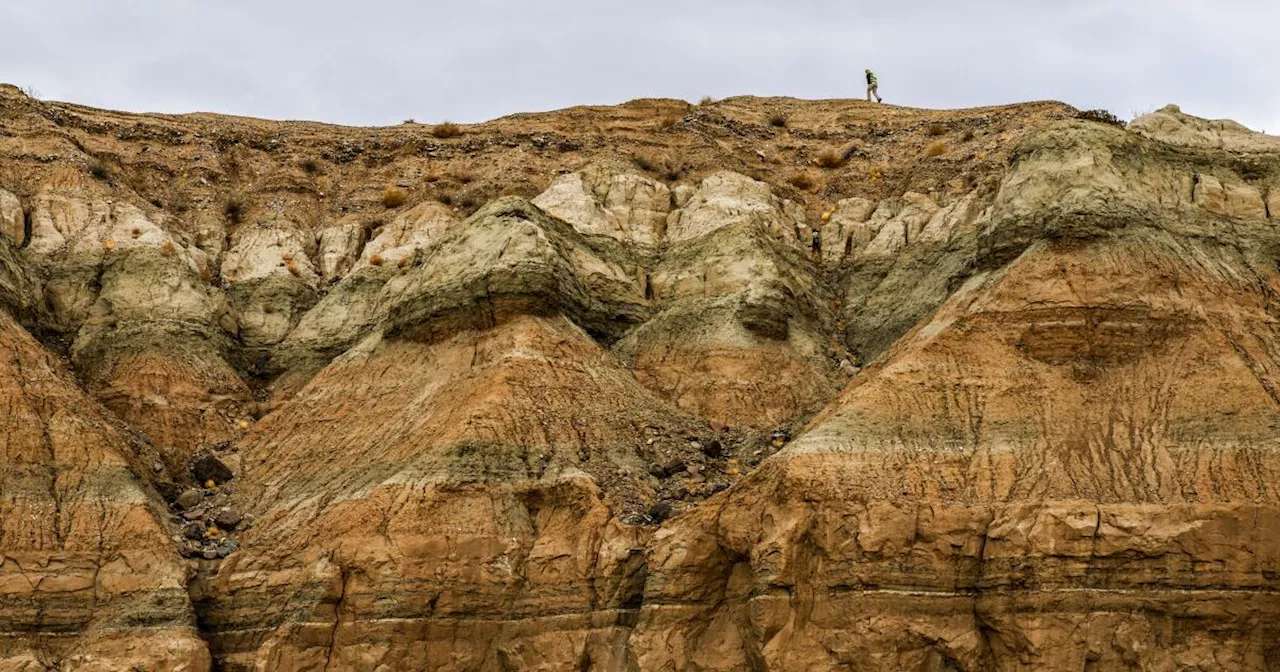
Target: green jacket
<point>871,79</point>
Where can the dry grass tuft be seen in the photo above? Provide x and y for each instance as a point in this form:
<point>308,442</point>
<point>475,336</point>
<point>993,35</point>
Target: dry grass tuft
<point>706,100</point>
<point>445,198</point>
<point>802,181</point>
<point>206,275</point>
<point>404,261</point>
<point>669,122</point>
<point>108,245</point>
<point>393,197</point>
<point>167,248</point>
<point>432,178</point>
<point>935,130</point>
<point>376,260</point>
<point>446,129</point>
<point>292,265</point>
<point>778,120</point>
<point>967,135</point>
<point>135,232</point>
<point>310,166</point>
<point>464,178</point>
<point>936,149</point>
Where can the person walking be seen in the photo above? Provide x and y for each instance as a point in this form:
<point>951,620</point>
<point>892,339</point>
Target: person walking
<point>873,86</point>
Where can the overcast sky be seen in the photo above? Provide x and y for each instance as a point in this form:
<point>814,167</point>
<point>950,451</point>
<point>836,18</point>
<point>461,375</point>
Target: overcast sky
<point>373,62</point>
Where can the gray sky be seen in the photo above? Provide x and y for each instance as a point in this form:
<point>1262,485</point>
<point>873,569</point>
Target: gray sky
<point>373,62</point>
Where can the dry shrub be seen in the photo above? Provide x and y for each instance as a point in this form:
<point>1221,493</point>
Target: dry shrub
<point>967,135</point>
<point>464,178</point>
<point>206,275</point>
<point>936,149</point>
<point>668,122</point>
<point>310,166</point>
<point>233,209</point>
<point>935,129</point>
<point>831,159</point>
<point>706,100</point>
<point>1101,117</point>
<point>167,248</point>
<point>446,129</point>
<point>802,181</point>
<point>432,178</point>
<point>292,265</point>
<point>393,197</point>
<point>135,232</point>
<point>99,170</point>
<point>376,260</point>
<point>404,261</point>
<point>646,164</point>
<point>445,198</point>
<point>778,120</point>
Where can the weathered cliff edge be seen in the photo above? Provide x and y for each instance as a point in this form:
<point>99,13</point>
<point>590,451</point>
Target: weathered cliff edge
<point>590,400</point>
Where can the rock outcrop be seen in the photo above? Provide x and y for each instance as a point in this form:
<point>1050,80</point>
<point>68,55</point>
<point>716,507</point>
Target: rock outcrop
<point>639,388</point>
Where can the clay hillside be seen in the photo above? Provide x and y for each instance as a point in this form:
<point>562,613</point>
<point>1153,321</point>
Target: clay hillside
<point>756,384</point>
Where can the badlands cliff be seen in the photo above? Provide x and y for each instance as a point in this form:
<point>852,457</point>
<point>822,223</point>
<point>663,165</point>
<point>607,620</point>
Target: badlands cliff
<point>576,391</point>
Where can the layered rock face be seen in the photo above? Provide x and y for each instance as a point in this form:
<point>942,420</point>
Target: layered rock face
<point>1069,465</point>
<point>639,388</point>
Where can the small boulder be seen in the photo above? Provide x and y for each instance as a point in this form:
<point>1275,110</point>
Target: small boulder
<point>193,531</point>
<point>228,519</point>
<point>209,468</point>
<point>190,499</point>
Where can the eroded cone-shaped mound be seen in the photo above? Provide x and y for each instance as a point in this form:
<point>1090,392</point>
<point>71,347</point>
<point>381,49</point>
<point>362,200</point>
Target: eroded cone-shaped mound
<point>430,504</point>
<point>89,580</point>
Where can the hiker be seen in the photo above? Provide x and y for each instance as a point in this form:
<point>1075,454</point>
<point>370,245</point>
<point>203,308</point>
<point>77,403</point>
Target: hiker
<point>873,86</point>
<point>815,240</point>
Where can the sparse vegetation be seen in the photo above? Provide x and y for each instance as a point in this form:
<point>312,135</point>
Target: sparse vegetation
<point>432,178</point>
<point>393,197</point>
<point>1101,117</point>
<point>445,198</point>
<point>310,166</point>
<point>410,120</point>
<point>706,100</point>
<point>967,135</point>
<point>935,149</point>
<point>464,178</point>
<point>99,170</point>
<point>802,181</point>
<point>30,92</point>
<point>233,210</point>
<point>778,120</point>
<point>446,129</point>
<point>668,122</point>
<point>935,129</point>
